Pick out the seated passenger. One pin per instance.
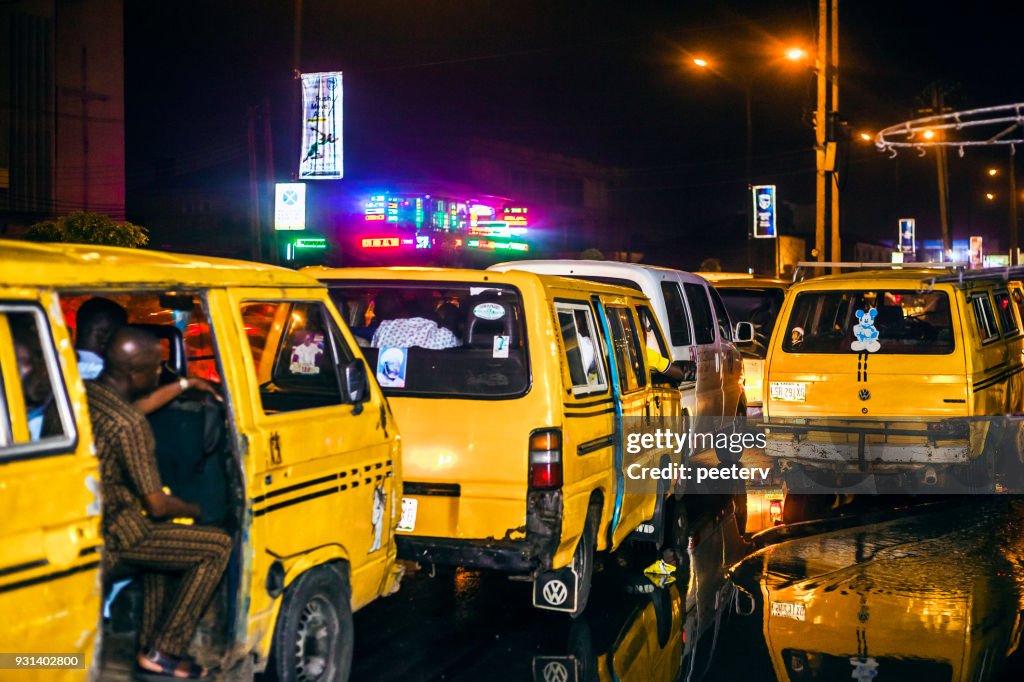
(405, 329)
(43, 420)
(181, 565)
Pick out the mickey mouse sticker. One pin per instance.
(866, 333)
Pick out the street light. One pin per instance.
(793, 54)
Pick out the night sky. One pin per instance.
(607, 81)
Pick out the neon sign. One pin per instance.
(380, 242)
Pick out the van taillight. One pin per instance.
(546, 458)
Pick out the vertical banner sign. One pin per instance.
(290, 206)
(908, 243)
(321, 120)
(764, 211)
(977, 255)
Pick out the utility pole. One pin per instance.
(1013, 206)
(268, 157)
(942, 175)
(254, 191)
(827, 192)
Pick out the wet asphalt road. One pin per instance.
(931, 591)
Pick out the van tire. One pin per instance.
(316, 612)
(677, 535)
(583, 561)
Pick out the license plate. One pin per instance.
(785, 609)
(408, 521)
(792, 391)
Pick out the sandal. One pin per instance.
(171, 668)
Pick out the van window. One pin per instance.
(628, 350)
(984, 318)
(582, 348)
(703, 322)
(760, 307)
(1018, 301)
(907, 322)
(652, 332)
(297, 360)
(439, 339)
(678, 320)
(35, 412)
(724, 324)
(1006, 319)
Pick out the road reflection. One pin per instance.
(928, 593)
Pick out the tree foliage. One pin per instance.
(89, 228)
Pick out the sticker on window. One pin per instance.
(391, 366)
(307, 355)
(500, 347)
(489, 311)
(865, 331)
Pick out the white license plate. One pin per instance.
(408, 521)
(785, 609)
(792, 391)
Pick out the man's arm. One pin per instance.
(154, 401)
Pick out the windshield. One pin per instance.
(443, 339)
(874, 321)
(758, 305)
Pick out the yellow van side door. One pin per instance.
(323, 469)
(49, 536)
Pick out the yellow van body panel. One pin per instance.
(903, 391)
(479, 447)
(312, 476)
(50, 538)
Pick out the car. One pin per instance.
(699, 330)
(896, 376)
(758, 301)
(513, 418)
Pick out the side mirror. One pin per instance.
(688, 368)
(355, 385)
(744, 332)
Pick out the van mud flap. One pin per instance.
(556, 590)
(555, 669)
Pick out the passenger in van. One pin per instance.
(95, 324)
(655, 360)
(405, 328)
(181, 565)
(43, 419)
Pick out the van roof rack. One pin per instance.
(1003, 272)
(803, 268)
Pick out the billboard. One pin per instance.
(290, 206)
(764, 211)
(322, 149)
(977, 253)
(907, 237)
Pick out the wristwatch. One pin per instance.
(183, 384)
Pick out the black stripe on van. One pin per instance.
(596, 444)
(571, 415)
(992, 381)
(434, 489)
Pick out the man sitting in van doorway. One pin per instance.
(134, 505)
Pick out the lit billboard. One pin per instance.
(290, 206)
(764, 211)
(322, 149)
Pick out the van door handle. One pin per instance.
(275, 448)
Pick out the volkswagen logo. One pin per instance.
(864, 394)
(555, 592)
(555, 672)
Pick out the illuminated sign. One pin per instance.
(489, 245)
(764, 211)
(290, 206)
(322, 150)
(380, 242)
(310, 243)
(908, 242)
(374, 217)
(977, 253)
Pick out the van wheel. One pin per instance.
(583, 562)
(313, 639)
(675, 548)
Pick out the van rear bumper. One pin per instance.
(511, 556)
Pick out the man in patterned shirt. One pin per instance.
(407, 330)
(134, 505)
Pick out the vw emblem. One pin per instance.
(864, 394)
(555, 672)
(555, 592)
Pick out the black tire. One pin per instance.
(581, 647)
(797, 507)
(313, 638)
(740, 501)
(725, 455)
(676, 543)
(583, 562)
